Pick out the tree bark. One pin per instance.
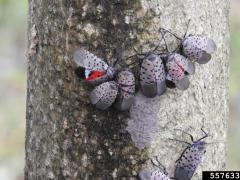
(67, 138)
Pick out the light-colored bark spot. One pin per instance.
(114, 174)
(84, 160)
(33, 41)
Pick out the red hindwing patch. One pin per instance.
(95, 74)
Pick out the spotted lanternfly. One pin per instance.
(95, 69)
(104, 95)
(120, 91)
(126, 82)
(152, 76)
(177, 68)
(191, 157)
(147, 174)
(198, 48)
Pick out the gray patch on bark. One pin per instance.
(143, 121)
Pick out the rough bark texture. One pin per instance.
(67, 138)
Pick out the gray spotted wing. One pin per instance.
(126, 82)
(158, 175)
(104, 95)
(152, 76)
(188, 162)
(147, 174)
(88, 60)
(175, 73)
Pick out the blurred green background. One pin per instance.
(234, 89)
(13, 25)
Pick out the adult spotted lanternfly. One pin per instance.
(191, 157)
(177, 68)
(152, 76)
(126, 83)
(147, 174)
(95, 70)
(197, 48)
(120, 91)
(104, 95)
(152, 73)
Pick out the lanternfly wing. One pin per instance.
(147, 174)
(152, 76)
(104, 95)
(176, 72)
(198, 48)
(98, 80)
(158, 175)
(95, 69)
(183, 84)
(186, 64)
(189, 161)
(88, 60)
(126, 82)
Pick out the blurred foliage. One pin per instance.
(233, 145)
(13, 23)
(235, 54)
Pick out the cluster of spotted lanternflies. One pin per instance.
(158, 71)
(116, 86)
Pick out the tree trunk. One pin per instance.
(67, 138)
